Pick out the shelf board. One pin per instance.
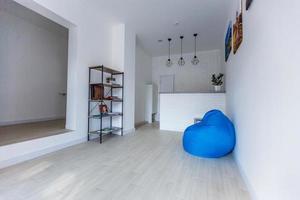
(107, 70)
(106, 115)
(107, 85)
(106, 131)
(101, 100)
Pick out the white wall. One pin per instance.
(33, 66)
(129, 79)
(118, 46)
(124, 58)
(90, 43)
(143, 76)
(263, 98)
(189, 78)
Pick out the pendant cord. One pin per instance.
(195, 35)
(169, 49)
(181, 47)
(195, 45)
(169, 39)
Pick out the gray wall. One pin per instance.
(33, 66)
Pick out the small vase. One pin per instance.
(217, 88)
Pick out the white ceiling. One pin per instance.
(154, 20)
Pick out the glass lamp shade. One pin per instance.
(195, 60)
(169, 63)
(181, 61)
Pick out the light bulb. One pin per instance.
(181, 61)
(169, 63)
(195, 60)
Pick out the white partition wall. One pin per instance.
(178, 110)
(149, 103)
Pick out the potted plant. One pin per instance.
(217, 81)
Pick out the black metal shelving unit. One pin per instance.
(110, 115)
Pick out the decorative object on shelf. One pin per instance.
(217, 81)
(169, 62)
(248, 4)
(109, 98)
(238, 30)
(112, 98)
(195, 59)
(228, 41)
(101, 92)
(97, 92)
(110, 80)
(103, 108)
(181, 61)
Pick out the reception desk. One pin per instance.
(178, 110)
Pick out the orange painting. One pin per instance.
(238, 33)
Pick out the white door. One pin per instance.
(166, 84)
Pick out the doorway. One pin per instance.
(33, 75)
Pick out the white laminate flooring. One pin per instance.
(146, 165)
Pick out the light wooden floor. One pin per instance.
(23, 132)
(147, 165)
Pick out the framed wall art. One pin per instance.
(238, 30)
(228, 41)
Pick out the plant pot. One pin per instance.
(218, 88)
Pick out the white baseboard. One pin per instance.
(246, 179)
(29, 156)
(8, 123)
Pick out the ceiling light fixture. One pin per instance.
(181, 61)
(195, 60)
(169, 62)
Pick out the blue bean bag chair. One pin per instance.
(213, 137)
